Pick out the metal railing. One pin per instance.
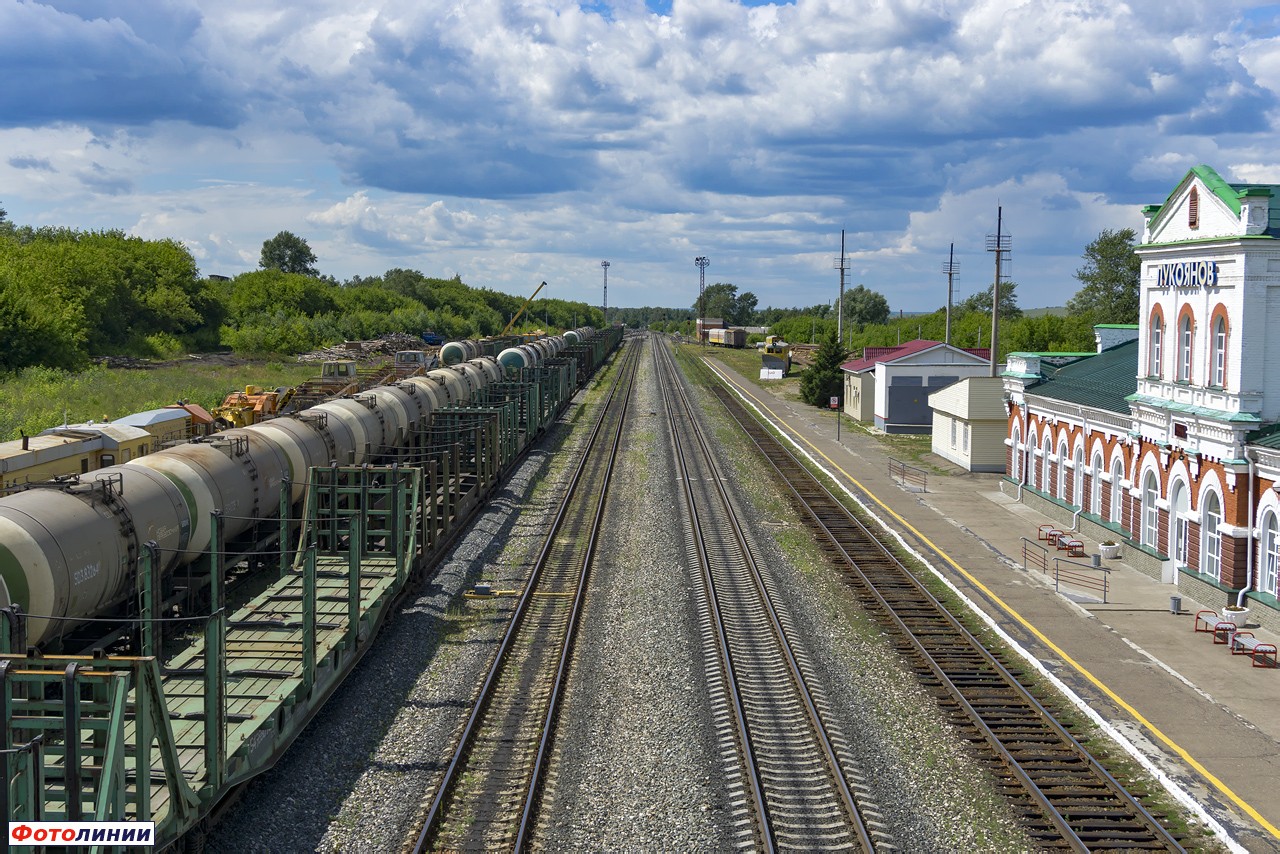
(1034, 554)
(909, 476)
(1069, 572)
(1081, 575)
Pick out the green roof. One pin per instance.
(1115, 326)
(1191, 409)
(1267, 437)
(1103, 380)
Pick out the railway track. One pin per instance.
(489, 793)
(1064, 798)
(795, 776)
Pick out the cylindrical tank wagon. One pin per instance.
(70, 552)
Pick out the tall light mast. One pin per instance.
(702, 261)
(605, 305)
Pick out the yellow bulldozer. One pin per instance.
(775, 356)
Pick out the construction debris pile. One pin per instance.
(375, 350)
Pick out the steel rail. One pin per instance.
(795, 475)
(754, 782)
(434, 814)
(562, 669)
(845, 800)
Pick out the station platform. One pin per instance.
(1203, 720)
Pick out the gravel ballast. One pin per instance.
(637, 765)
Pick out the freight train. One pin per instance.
(348, 503)
(70, 551)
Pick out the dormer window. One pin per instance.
(1193, 209)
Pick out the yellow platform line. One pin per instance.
(1079, 668)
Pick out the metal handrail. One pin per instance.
(909, 475)
(1077, 578)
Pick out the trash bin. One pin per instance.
(1175, 604)
(1096, 560)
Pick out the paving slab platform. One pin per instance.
(1205, 720)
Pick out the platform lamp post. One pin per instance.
(702, 261)
(604, 265)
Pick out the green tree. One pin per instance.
(823, 379)
(981, 301)
(288, 253)
(1110, 278)
(722, 300)
(863, 305)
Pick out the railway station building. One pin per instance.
(1169, 443)
(890, 386)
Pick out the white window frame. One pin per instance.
(1180, 536)
(1045, 471)
(1211, 536)
(1184, 349)
(1219, 353)
(1095, 485)
(1117, 492)
(1154, 367)
(1269, 577)
(1150, 535)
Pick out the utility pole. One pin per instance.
(1001, 244)
(951, 269)
(605, 266)
(702, 261)
(842, 264)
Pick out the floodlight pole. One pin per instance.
(605, 266)
(702, 261)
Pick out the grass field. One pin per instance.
(39, 398)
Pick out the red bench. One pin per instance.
(1073, 548)
(1244, 643)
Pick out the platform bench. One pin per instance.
(1207, 619)
(1073, 548)
(1244, 643)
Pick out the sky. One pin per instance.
(516, 142)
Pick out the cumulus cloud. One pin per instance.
(472, 136)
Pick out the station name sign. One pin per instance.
(1187, 274)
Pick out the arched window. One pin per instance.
(1218, 360)
(1117, 492)
(1077, 481)
(1211, 561)
(1046, 479)
(1270, 563)
(1062, 470)
(1193, 208)
(1155, 344)
(1095, 496)
(1180, 528)
(1015, 455)
(1150, 513)
(1184, 349)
